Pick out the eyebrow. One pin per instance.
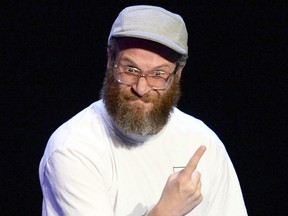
(127, 60)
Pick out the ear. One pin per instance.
(179, 73)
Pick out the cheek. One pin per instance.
(124, 89)
(123, 86)
(161, 93)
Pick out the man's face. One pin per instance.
(138, 108)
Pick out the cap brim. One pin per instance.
(152, 37)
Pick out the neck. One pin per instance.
(127, 140)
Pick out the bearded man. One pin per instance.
(133, 152)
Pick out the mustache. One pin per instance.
(132, 95)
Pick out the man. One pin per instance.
(133, 152)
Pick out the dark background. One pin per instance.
(53, 57)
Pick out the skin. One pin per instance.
(145, 60)
(139, 109)
(182, 192)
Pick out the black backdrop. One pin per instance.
(53, 56)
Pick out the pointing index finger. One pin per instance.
(193, 162)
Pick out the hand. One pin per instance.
(182, 192)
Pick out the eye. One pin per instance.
(129, 69)
(160, 73)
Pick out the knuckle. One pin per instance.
(172, 177)
(198, 193)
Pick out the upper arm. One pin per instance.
(224, 195)
(73, 185)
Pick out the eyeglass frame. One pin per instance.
(142, 74)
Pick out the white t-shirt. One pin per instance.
(87, 169)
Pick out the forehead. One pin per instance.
(159, 49)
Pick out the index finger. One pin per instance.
(193, 162)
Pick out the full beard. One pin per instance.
(131, 119)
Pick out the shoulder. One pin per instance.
(188, 123)
(195, 132)
(81, 135)
(83, 125)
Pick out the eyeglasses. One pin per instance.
(157, 79)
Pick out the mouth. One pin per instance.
(139, 106)
(144, 99)
(137, 103)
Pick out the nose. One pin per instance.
(141, 87)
